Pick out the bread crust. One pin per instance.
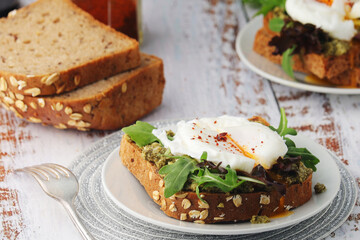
(79, 75)
(132, 95)
(220, 207)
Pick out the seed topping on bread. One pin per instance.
(100, 105)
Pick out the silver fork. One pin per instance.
(60, 183)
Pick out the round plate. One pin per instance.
(274, 72)
(131, 196)
(106, 220)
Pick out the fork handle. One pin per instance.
(76, 220)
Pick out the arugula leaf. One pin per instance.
(283, 130)
(208, 179)
(248, 179)
(141, 133)
(268, 5)
(276, 24)
(203, 156)
(307, 157)
(176, 174)
(287, 62)
(289, 142)
(253, 3)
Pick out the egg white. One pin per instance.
(244, 145)
(332, 19)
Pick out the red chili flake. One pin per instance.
(200, 131)
(217, 144)
(192, 138)
(199, 137)
(262, 141)
(215, 122)
(193, 128)
(253, 150)
(221, 137)
(207, 141)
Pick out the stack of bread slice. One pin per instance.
(341, 70)
(61, 67)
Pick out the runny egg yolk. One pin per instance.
(242, 149)
(327, 2)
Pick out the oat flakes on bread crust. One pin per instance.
(220, 207)
(52, 46)
(106, 104)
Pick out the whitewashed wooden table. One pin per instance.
(205, 77)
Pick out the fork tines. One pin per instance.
(47, 170)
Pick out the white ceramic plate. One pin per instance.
(125, 190)
(274, 72)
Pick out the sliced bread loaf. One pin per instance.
(106, 104)
(52, 46)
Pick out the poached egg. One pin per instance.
(232, 141)
(333, 16)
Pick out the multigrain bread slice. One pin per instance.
(219, 207)
(52, 46)
(106, 104)
(340, 70)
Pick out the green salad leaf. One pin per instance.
(141, 133)
(276, 24)
(307, 157)
(253, 3)
(176, 174)
(203, 156)
(266, 5)
(207, 179)
(283, 130)
(287, 61)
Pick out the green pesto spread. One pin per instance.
(302, 173)
(279, 13)
(170, 134)
(156, 153)
(319, 188)
(255, 219)
(298, 174)
(336, 47)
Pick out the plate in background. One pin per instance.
(274, 72)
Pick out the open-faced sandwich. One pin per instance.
(221, 169)
(317, 37)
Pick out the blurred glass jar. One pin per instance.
(123, 15)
